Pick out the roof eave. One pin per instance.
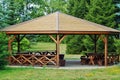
(60, 32)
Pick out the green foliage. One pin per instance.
(117, 45)
(88, 43)
(24, 45)
(53, 6)
(95, 11)
(3, 50)
(16, 11)
(98, 11)
(105, 15)
(102, 12)
(77, 8)
(10, 14)
(75, 45)
(39, 38)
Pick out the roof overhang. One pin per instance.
(59, 23)
(60, 32)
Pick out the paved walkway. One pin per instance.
(70, 64)
(75, 64)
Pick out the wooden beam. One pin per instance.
(62, 38)
(53, 38)
(102, 38)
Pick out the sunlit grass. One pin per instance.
(59, 74)
(42, 46)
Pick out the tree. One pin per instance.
(9, 13)
(53, 6)
(75, 45)
(102, 12)
(117, 3)
(2, 15)
(77, 8)
(3, 50)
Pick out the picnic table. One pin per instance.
(92, 59)
(98, 58)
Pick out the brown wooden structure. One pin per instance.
(56, 24)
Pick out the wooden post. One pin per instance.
(58, 40)
(58, 49)
(95, 43)
(105, 40)
(10, 46)
(18, 40)
(11, 39)
(106, 49)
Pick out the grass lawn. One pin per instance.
(60, 74)
(31, 73)
(41, 46)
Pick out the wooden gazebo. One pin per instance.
(58, 24)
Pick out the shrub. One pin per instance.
(3, 50)
(75, 45)
(117, 45)
(24, 44)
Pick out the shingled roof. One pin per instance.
(58, 23)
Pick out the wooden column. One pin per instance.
(18, 41)
(106, 49)
(105, 40)
(57, 41)
(58, 48)
(11, 39)
(95, 43)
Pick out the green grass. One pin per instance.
(59, 74)
(41, 46)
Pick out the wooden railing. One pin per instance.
(34, 58)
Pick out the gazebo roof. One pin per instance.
(58, 23)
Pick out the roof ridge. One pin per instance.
(57, 21)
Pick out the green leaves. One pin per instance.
(77, 8)
(102, 12)
(3, 50)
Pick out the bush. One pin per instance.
(75, 44)
(3, 50)
(117, 45)
(24, 44)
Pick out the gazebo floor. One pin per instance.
(70, 64)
